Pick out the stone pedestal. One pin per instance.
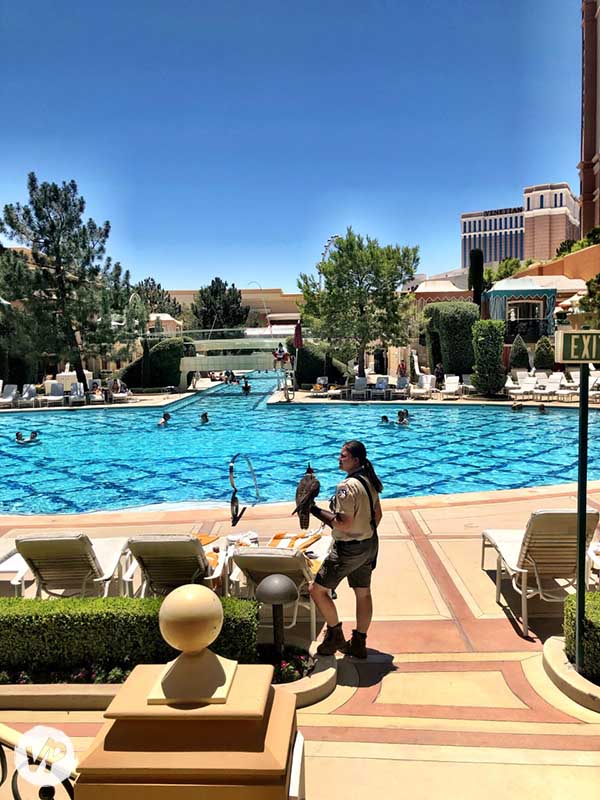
(243, 748)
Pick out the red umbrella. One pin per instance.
(298, 343)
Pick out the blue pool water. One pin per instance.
(104, 458)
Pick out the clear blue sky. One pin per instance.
(233, 138)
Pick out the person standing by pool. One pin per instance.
(355, 512)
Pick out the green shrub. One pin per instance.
(163, 365)
(519, 357)
(315, 361)
(110, 633)
(488, 340)
(543, 358)
(591, 634)
(449, 333)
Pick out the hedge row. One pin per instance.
(591, 634)
(449, 335)
(314, 362)
(38, 635)
(163, 368)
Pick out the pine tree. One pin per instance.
(519, 356)
(543, 358)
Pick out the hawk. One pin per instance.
(308, 489)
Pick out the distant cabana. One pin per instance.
(524, 305)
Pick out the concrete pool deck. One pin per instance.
(452, 701)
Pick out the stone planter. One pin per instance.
(563, 674)
(315, 687)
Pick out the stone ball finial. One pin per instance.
(191, 618)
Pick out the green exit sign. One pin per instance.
(577, 347)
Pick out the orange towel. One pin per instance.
(312, 540)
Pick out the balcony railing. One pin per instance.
(530, 330)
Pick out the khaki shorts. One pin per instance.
(352, 560)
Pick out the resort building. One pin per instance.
(498, 233)
(589, 166)
(548, 216)
(265, 303)
(164, 323)
(551, 214)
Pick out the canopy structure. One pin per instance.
(520, 289)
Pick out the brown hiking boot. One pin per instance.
(356, 646)
(333, 641)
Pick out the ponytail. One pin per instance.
(358, 450)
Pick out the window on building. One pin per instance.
(541, 201)
(478, 224)
(485, 224)
(521, 221)
(464, 227)
(561, 199)
(529, 204)
(555, 200)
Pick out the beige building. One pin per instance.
(273, 303)
(551, 215)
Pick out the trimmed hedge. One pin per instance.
(163, 367)
(591, 634)
(108, 632)
(315, 362)
(488, 340)
(519, 355)
(543, 358)
(449, 334)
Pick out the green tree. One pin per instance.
(591, 302)
(219, 306)
(519, 355)
(488, 340)
(475, 277)
(359, 303)
(543, 357)
(156, 299)
(564, 248)
(63, 286)
(507, 267)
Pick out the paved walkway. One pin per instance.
(452, 701)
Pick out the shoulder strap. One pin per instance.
(365, 486)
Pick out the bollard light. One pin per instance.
(277, 591)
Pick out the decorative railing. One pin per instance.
(18, 785)
(530, 330)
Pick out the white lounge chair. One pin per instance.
(257, 563)
(360, 389)
(550, 387)
(451, 388)
(122, 396)
(76, 395)
(467, 385)
(56, 396)
(381, 388)
(9, 393)
(546, 548)
(28, 395)
(323, 382)
(69, 563)
(168, 561)
(525, 389)
(401, 390)
(424, 389)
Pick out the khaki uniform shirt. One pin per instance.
(351, 498)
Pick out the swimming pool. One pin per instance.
(107, 458)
